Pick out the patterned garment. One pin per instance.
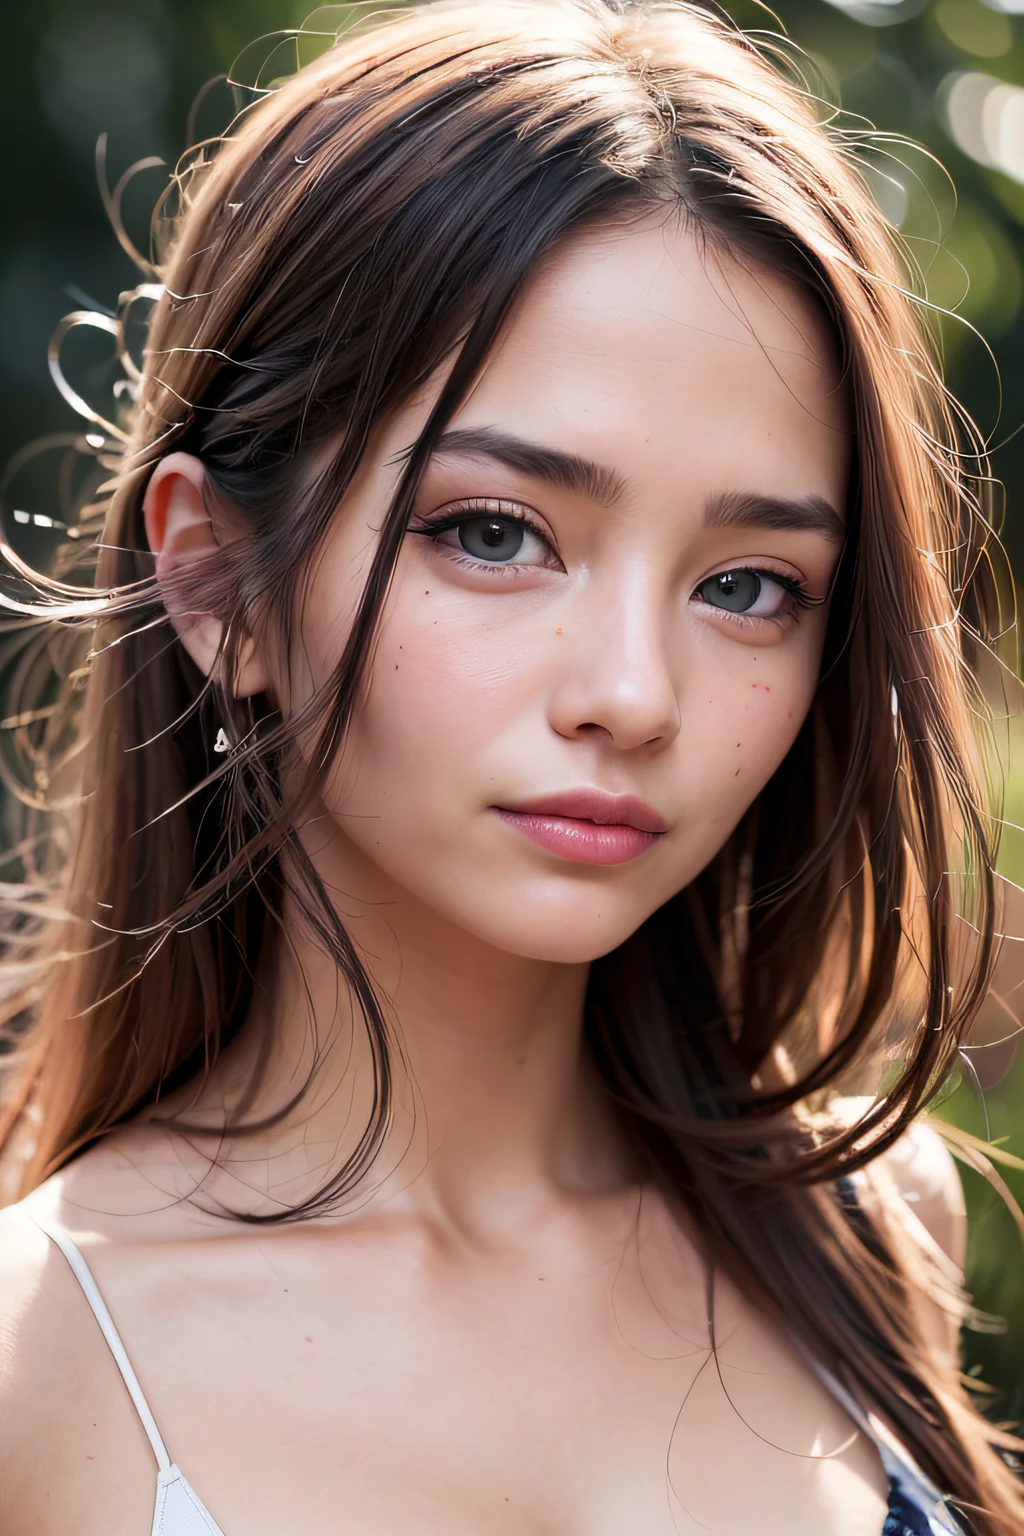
(916, 1508)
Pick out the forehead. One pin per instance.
(644, 351)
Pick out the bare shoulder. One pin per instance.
(29, 1292)
(924, 1174)
(40, 1359)
(920, 1174)
(914, 1190)
(62, 1404)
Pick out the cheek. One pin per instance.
(445, 690)
(747, 724)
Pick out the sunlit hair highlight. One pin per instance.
(369, 222)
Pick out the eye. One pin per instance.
(479, 536)
(755, 594)
(491, 538)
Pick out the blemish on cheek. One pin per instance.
(764, 686)
(559, 631)
(736, 774)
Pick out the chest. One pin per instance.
(387, 1394)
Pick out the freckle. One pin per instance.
(559, 631)
(736, 774)
(308, 1339)
(427, 592)
(90, 1458)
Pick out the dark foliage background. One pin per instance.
(948, 74)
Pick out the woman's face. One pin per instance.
(607, 620)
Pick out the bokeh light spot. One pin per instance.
(975, 29)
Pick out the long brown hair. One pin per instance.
(372, 218)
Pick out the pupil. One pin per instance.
(735, 590)
(493, 534)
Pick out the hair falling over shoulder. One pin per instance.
(363, 222)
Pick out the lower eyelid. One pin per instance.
(747, 619)
(503, 568)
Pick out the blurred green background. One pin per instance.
(948, 74)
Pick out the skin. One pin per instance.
(502, 1332)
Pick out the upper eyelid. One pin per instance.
(453, 512)
(481, 506)
(798, 586)
(761, 566)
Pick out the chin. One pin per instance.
(570, 937)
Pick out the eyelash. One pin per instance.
(486, 506)
(459, 512)
(797, 590)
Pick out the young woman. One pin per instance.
(524, 864)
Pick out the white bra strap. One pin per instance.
(90, 1290)
(896, 1459)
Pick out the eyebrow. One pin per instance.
(748, 509)
(568, 471)
(596, 482)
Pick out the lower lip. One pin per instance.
(583, 842)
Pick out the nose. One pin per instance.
(615, 676)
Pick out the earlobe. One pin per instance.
(180, 533)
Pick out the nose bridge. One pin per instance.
(619, 676)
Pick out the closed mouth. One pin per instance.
(588, 826)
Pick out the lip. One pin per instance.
(588, 825)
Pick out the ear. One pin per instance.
(180, 534)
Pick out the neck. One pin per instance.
(494, 1108)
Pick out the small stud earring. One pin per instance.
(222, 744)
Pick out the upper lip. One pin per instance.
(596, 805)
